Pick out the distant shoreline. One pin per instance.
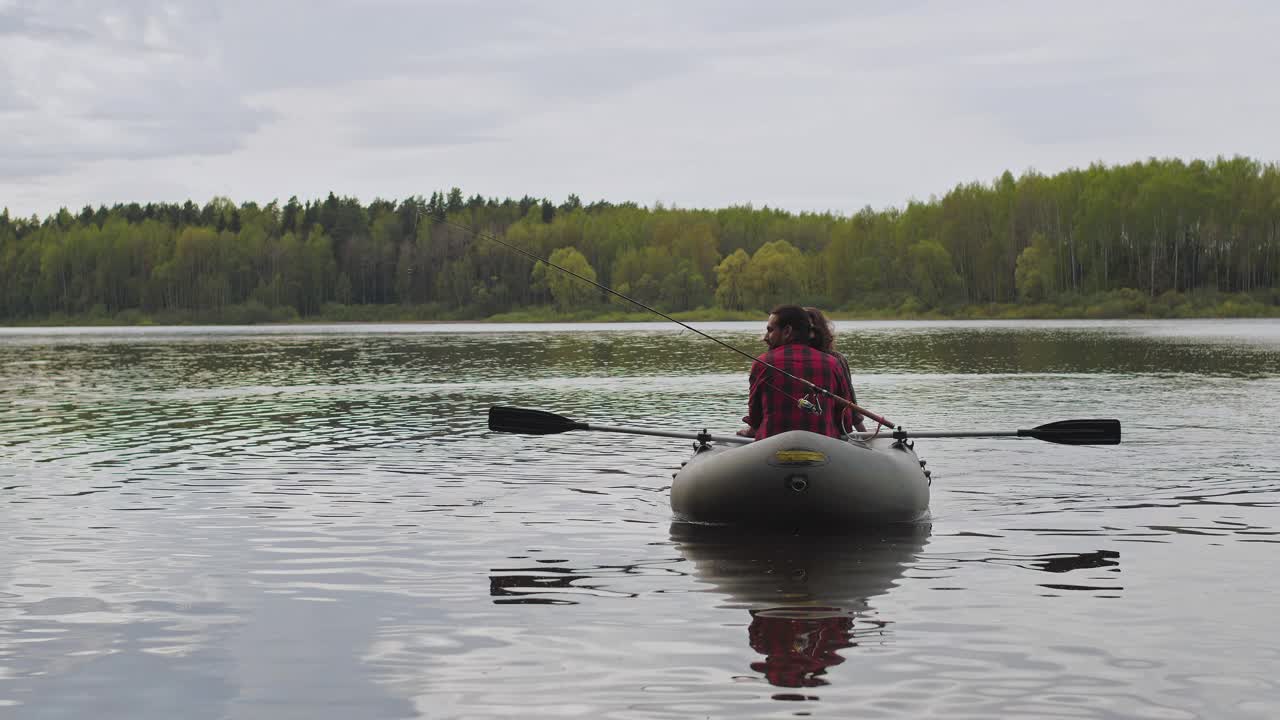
(1119, 305)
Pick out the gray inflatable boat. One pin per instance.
(802, 479)
(796, 479)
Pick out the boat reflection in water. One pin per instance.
(807, 595)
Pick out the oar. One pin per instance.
(541, 422)
(1063, 432)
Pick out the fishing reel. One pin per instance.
(810, 404)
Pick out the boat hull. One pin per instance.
(802, 479)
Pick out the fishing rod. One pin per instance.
(537, 258)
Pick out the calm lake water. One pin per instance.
(314, 522)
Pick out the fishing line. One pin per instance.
(611, 291)
(537, 258)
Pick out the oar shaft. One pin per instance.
(737, 439)
(1063, 432)
(942, 434)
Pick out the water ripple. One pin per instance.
(316, 521)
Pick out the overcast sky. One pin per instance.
(800, 105)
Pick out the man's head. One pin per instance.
(787, 324)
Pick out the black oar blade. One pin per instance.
(1077, 432)
(529, 422)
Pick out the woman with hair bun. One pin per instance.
(823, 337)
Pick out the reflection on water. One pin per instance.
(808, 596)
(552, 585)
(768, 571)
(798, 646)
(315, 522)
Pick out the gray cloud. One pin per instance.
(1059, 103)
(591, 73)
(303, 44)
(11, 101)
(424, 129)
(114, 81)
(736, 16)
(412, 114)
(751, 101)
(23, 19)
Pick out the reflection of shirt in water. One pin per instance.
(798, 651)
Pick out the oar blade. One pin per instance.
(529, 422)
(1077, 432)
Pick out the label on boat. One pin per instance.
(799, 457)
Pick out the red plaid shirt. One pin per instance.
(772, 406)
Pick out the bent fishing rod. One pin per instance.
(539, 259)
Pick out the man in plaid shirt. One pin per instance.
(776, 402)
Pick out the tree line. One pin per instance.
(1150, 229)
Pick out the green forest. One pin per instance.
(1160, 238)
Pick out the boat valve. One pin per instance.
(797, 483)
